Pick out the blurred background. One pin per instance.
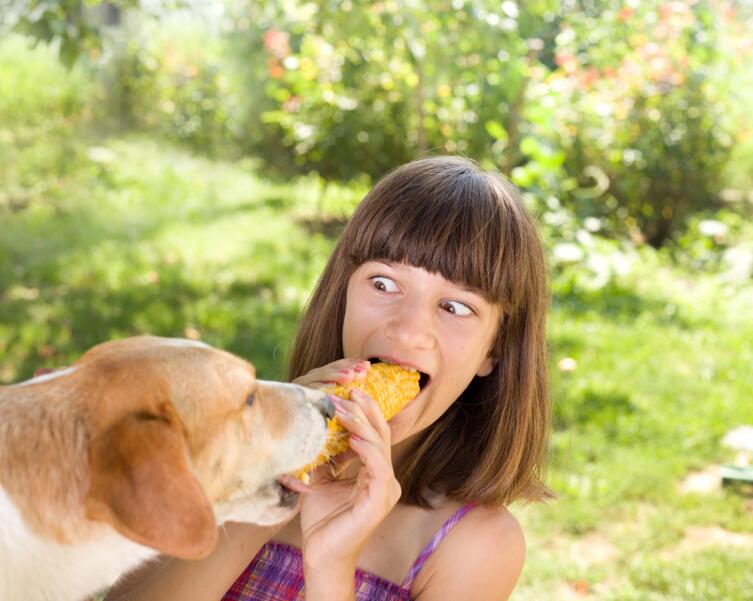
(183, 168)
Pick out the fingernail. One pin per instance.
(356, 437)
(359, 368)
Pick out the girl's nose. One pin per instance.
(411, 327)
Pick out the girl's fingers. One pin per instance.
(346, 370)
(372, 412)
(342, 366)
(341, 371)
(372, 456)
(353, 419)
(348, 363)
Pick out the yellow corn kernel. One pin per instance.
(391, 386)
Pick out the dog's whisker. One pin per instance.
(224, 531)
(247, 495)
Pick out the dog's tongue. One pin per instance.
(293, 483)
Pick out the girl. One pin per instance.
(440, 268)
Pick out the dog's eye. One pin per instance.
(250, 399)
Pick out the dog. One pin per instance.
(143, 446)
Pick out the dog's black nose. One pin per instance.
(327, 407)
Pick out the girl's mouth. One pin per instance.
(423, 379)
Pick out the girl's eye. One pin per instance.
(457, 308)
(383, 283)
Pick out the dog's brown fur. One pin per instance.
(142, 436)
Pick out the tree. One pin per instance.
(75, 25)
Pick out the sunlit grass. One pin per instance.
(155, 240)
(652, 395)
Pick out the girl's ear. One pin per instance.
(487, 365)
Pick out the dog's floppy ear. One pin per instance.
(142, 485)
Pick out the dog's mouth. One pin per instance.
(423, 379)
(290, 490)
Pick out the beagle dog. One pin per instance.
(143, 446)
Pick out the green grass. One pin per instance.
(154, 240)
(663, 372)
(142, 237)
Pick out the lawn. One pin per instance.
(138, 237)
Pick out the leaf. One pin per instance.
(496, 130)
(529, 146)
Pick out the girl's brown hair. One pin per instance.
(445, 215)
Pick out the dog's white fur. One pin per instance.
(37, 568)
(46, 377)
(62, 538)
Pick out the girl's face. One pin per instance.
(407, 315)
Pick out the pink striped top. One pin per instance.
(276, 573)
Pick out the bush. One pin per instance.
(366, 87)
(623, 113)
(169, 78)
(641, 113)
(42, 108)
(626, 114)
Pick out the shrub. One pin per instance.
(169, 78)
(642, 114)
(42, 107)
(362, 88)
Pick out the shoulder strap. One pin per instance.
(434, 543)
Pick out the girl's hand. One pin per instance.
(339, 515)
(341, 371)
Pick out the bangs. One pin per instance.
(463, 226)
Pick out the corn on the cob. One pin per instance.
(391, 386)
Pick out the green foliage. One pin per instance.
(717, 242)
(642, 112)
(36, 88)
(625, 113)
(631, 114)
(168, 77)
(72, 24)
(41, 107)
(152, 240)
(361, 88)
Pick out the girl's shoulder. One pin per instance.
(480, 557)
